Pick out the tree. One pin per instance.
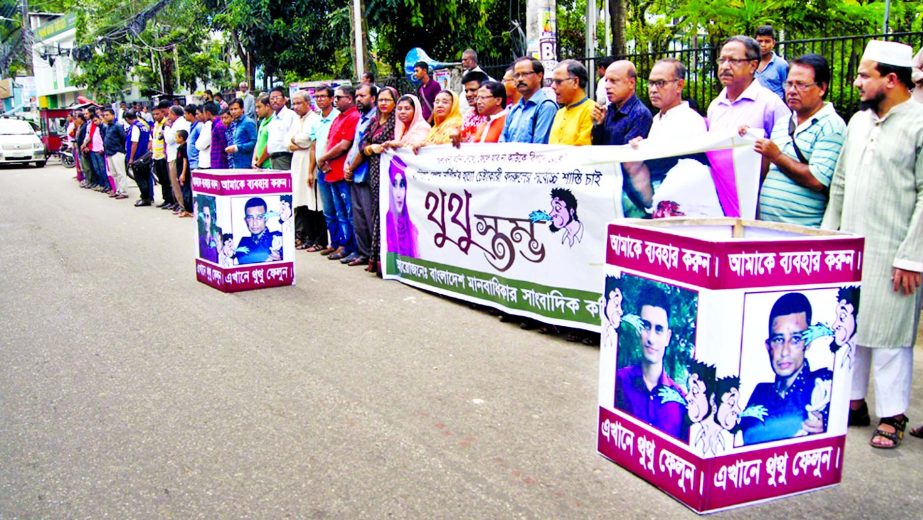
(174, 48)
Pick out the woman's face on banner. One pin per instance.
(405, 112)
(399, 188)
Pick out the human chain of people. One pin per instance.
(815, 170)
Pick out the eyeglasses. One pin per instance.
(321, 96)
(800, 87)
(660, 83)
(251, 218)
(733, 61)
(559, 81)
(520, 75)
(796, 340)
(339, 97)
(485, 98)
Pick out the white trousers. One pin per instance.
(117, 169)
(892, 369)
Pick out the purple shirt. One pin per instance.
(757, 107)
(633, 398)
(219, 143)
(427, 94)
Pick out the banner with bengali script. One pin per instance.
(523, 228)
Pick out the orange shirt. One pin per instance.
(490, 131)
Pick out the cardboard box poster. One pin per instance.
(244, 229)
(726, 357)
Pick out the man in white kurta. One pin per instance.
(877, 191)
(304, 196)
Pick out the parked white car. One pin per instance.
(20, 144)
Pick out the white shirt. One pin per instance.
(679, 122)
(169, 136)
(204, 145)
(601, 96)
(278, 130)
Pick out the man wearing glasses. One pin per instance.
(262, 245)
(795, 402)
(573, 122)
(529, 120)
(798, 161)
(743, 101)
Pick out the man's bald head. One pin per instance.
(621, 78)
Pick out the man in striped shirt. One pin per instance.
(799, 159)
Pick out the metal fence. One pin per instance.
(699, 56)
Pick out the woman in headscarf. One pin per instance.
(381, 131)
(447, 120)
(410, 128)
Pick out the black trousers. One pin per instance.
(310, 226)
(163, 177)
(142, 175)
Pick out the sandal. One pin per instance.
(860, 417)
(917, 431)
(898, 424)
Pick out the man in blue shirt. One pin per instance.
(262, 245)
(240, 149)
(530, 119)
(623, 119)
(797, 403)
(772, 70)
(195, 129)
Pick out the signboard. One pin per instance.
(522, 227)
(726, 357)
(245, 229)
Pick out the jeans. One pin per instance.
(98, 162)
(342, 202)
(330, 213)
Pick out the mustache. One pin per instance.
(521, 84)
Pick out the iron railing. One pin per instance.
(699, 55)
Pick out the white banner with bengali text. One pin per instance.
(522, 228)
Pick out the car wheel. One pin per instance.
(40, 164)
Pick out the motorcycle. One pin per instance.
(65, 155)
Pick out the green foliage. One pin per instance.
(443, 29)
(178, 34)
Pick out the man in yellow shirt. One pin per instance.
(573, 122)
(159, 155)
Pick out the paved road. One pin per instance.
(129, 390)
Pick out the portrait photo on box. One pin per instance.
(258, 224)
(790, 342)
(655, 324)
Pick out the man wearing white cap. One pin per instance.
(877, 192)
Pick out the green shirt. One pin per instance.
(262, 137)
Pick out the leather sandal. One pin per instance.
(898, 424)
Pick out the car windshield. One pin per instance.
(15, 127)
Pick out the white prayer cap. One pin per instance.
(889, 53)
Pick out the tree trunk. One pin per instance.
(617, 19)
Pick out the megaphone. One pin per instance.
(416, 55)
